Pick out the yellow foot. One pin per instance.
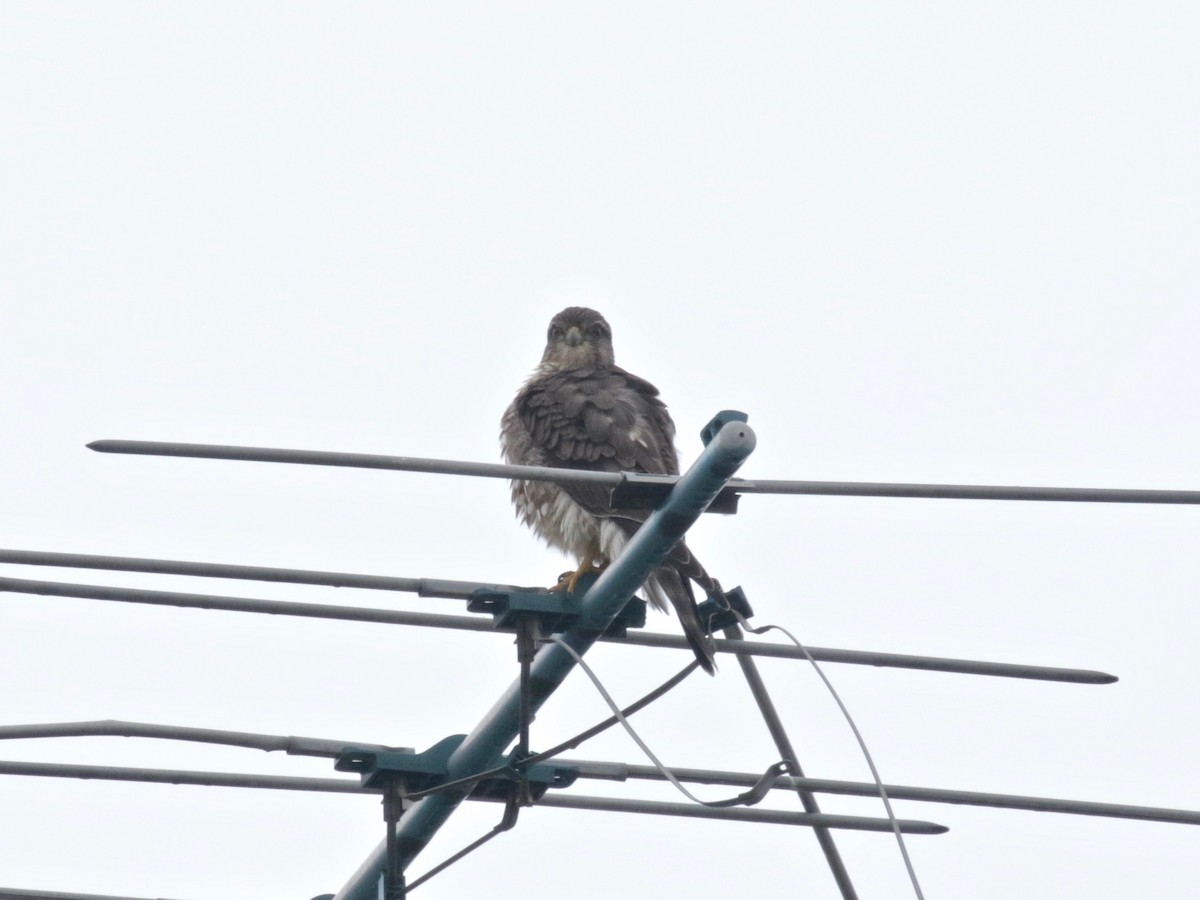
(567, 581)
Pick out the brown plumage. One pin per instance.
(579, 410)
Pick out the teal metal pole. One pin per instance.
(484, 747)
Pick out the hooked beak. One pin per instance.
(574, 336)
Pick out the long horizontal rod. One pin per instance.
(290, 744)
(358, 461)
(764, 816)
(880, 659)
(554, 801)
(185, 776)
(607, 771)
(422, 587)
(622, 772)
(19, 894)
(650, 485)
(469, 623)
(242, 604)
(967, 492)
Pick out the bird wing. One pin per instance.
(605, 420)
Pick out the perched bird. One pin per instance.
(579, 410)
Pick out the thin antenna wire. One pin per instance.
(612, 704)
(569, 743)
(572, 743)
(912, 875)
(506, 823)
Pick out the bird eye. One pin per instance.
(596, 330)
(555, 333)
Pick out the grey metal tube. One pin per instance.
(784, 745)
(966, 492)
(876, 658)
(356, 461)
(649, 483)
(608, 771)
(645, 550)
(423, 587)
(765, 816)
(472, 623)
(553, 801)
(18, 894)
(242, 604)
(185, 776)
(290, 744)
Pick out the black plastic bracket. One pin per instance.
(553, 611)
(417, 772)
(719, 421)
(716, 614)
(641, 491)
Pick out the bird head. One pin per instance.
(578, 338)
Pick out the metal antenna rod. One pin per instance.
(290, 744)
(476, 623)
(608, 771)
(553, 801)
(422, 587)
(18, 894)
(967, 492)
(624, 771)
(741, 814)
(651, 488)
(462, 590)
(483, 747)
(356, 461)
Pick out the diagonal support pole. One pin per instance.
(484, 746)
(783, 744)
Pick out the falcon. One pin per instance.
(579, 410)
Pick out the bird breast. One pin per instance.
(564, 524)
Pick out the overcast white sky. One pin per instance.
(936, 242)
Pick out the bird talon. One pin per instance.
(568, 581)
(564, 585)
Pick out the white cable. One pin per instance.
(912, 875)
(667, 773)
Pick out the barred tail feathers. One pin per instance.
(678, 590)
